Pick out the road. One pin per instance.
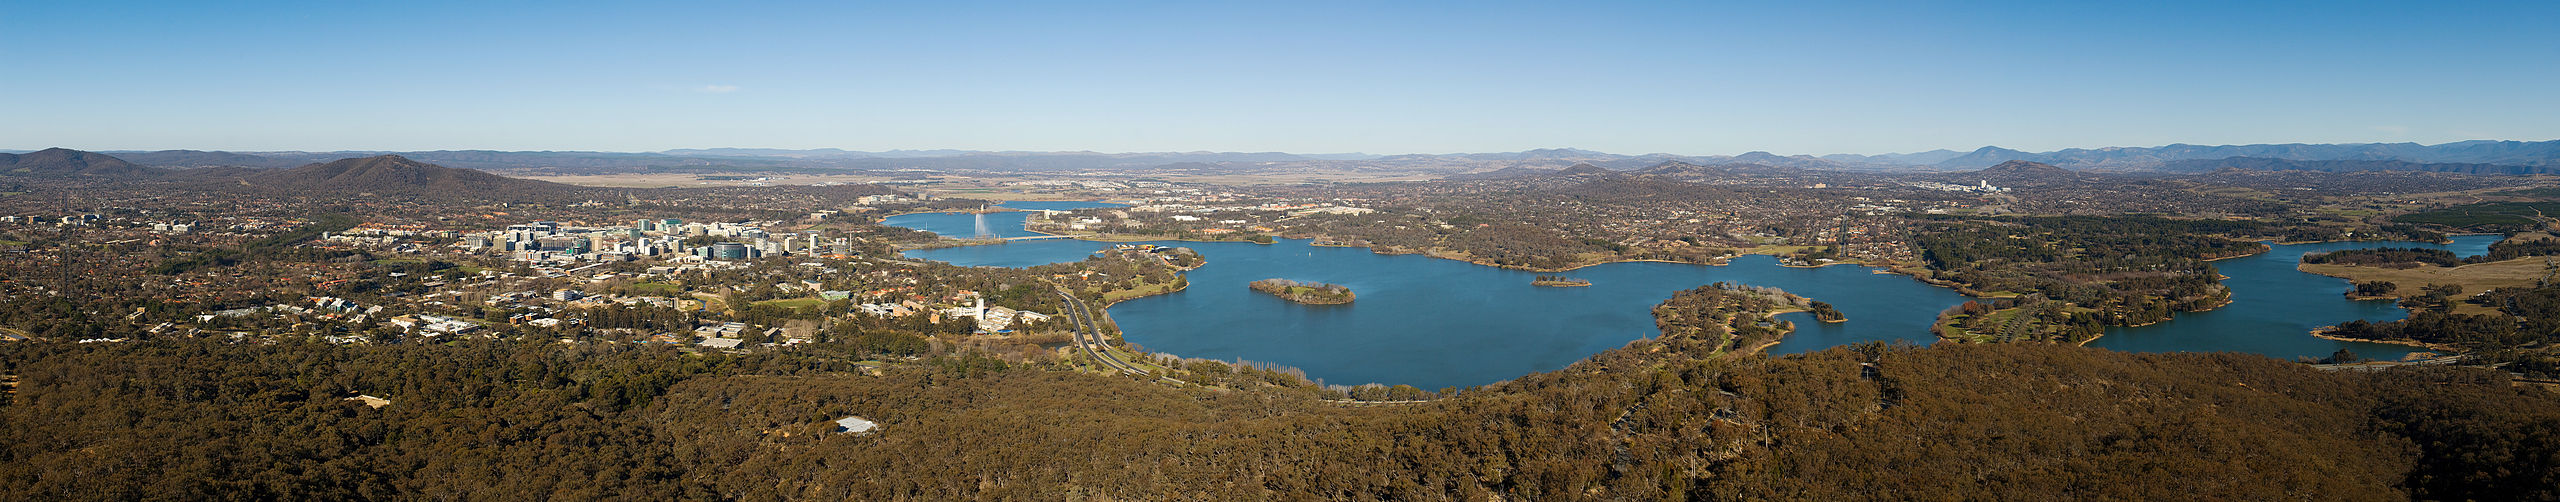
(2382, 365)
(1356, 402)
(1088, 335)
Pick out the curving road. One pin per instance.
(1088, 335)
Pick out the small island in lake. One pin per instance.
(1558, 281)
(1314, 293)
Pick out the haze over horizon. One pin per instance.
(1628, 78)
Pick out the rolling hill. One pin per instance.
(397, 175)
(1685, 171)
(67, 163)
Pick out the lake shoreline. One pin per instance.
(1106, 307)
(1418, 322)
(2323, 333)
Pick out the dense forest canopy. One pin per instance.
(2128, 270)
(1656, 420)
(2524, 317)
(2503, 250)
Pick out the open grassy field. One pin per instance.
(1150, 289)
(657, 289)
(2000, 325)
(711, 301)
(2474, 278)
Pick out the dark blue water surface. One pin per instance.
(1435, 323)
(2274, 308)
(1004, 224)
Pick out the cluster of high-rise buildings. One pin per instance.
(77, 219)
(544, 241)
(1984, 186)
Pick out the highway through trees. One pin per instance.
(1088, 335)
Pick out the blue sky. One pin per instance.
(1310, 77)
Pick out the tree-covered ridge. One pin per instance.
(203, 419)
(2525, 318)
(2386, 257)
(2503, 250)
(2519, 247)
(1657, 420)
(2486, 216)
(2127, 270)
(1722, 317)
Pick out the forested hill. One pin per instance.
(396, 175)
(205, 419)
(64, 162)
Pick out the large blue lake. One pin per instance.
(1435, 323)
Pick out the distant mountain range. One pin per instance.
(1671, 170)
(2510, 153)
(2477, 157)
(2016, 173)
(2023, 169)
(2261, 164)
(195, 158)
(1931, 157)
(2474, 157)
(1683, 170)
